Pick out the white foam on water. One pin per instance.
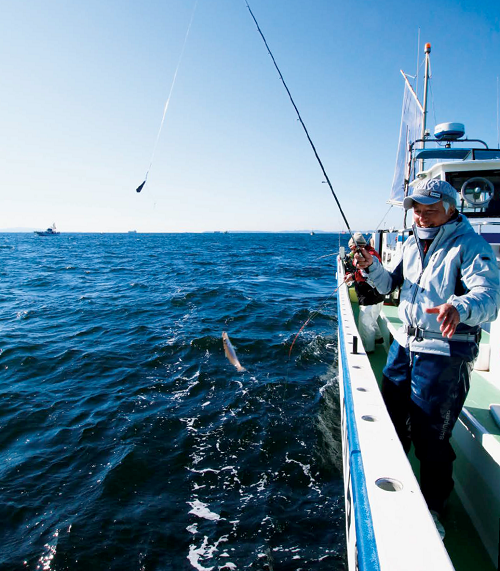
(205, 551)
(261, 484)
(203, 471)
(196, 458)
(196, 553)
(193, 381)
(189, 423)
(306, 468)
(201, 510)
(234, 473)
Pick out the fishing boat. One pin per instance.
(388, 524)
(52, 231)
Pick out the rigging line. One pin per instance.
(383, 218)
(300, 119)
(418, 54)
(141, 186)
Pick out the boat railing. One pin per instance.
(365, 544)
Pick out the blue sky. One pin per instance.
(84, 85)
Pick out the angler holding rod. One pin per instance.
(449, 286)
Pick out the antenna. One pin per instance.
(427, 50)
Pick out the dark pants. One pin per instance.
(424, 394)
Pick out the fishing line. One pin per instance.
(313, 315)
(384, 217)
(329, 255)
(300, 119)
(141, 186)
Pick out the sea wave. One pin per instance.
(129, 441)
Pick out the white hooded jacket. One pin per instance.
(459, 268)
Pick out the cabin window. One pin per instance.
(481, 189)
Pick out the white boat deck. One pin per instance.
(483, 392)
(476, 440)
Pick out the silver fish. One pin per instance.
(231, 353)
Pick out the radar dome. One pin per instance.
(449, 131)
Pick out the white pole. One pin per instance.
(426, 85)
(427, 50)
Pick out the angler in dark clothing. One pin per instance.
(370, 300)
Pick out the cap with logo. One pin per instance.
(430, 192)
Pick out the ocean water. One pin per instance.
(128, 441)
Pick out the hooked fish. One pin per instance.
(231, 353)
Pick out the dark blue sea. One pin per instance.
(128, 441)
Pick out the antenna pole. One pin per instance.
(426, 85)
(427, 50)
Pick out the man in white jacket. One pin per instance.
(449, 285)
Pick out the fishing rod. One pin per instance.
(327, 179)
(142, 185)
(302, 123)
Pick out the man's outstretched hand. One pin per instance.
(448, 316)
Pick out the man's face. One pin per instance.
(356, 246)
(430, 215)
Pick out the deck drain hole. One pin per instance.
(369, 418)
(389, 484)
(362, 390)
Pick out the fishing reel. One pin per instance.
(477, 191)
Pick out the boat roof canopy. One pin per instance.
(449, 153)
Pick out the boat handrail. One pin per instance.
(484, 222)
(447, 142)
(368, 558)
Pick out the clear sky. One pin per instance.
(84, 85)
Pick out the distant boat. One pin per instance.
(132, 231)
(312, 233)
(52, 231)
